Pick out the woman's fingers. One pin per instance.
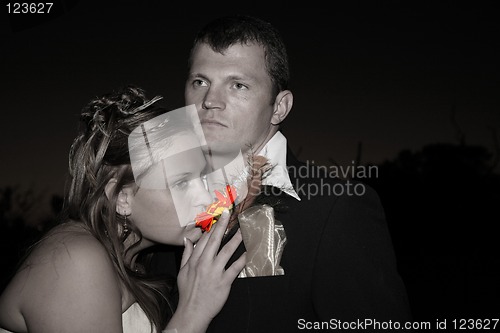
(232, 272)
(188, 250)
(210, 241)
(227, 251)
(216, 235)
(203, 276)
(205, 251)
(225, 254)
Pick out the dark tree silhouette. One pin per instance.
(21, 225)
(441, 206)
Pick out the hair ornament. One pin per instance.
(145, 105)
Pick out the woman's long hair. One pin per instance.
(98, 154)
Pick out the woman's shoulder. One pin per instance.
(69, 246)
(67, 264)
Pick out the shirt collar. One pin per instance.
(275, 152)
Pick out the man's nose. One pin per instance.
(213, 99)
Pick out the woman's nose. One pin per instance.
(202, 196)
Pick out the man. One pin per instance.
(338, 261)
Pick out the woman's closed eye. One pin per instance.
(181, 184)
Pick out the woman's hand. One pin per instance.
(203, 281)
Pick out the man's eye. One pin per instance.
(199, 83)
(240, 86)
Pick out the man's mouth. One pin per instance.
(212, 123)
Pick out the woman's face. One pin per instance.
(171, 194)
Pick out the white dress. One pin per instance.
(134, 320)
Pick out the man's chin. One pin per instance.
(220, 148)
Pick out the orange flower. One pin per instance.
(210, 216)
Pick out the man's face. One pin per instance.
(232, 93)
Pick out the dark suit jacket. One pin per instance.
(339, 263)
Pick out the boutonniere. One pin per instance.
(258, 168)
(263, 236)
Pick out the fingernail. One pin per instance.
(185, 241)
(225, 213)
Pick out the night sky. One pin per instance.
(386, 75)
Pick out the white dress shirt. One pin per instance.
(275, 152)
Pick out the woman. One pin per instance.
(86, 274)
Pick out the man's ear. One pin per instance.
(124, 199)
(282, 106)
